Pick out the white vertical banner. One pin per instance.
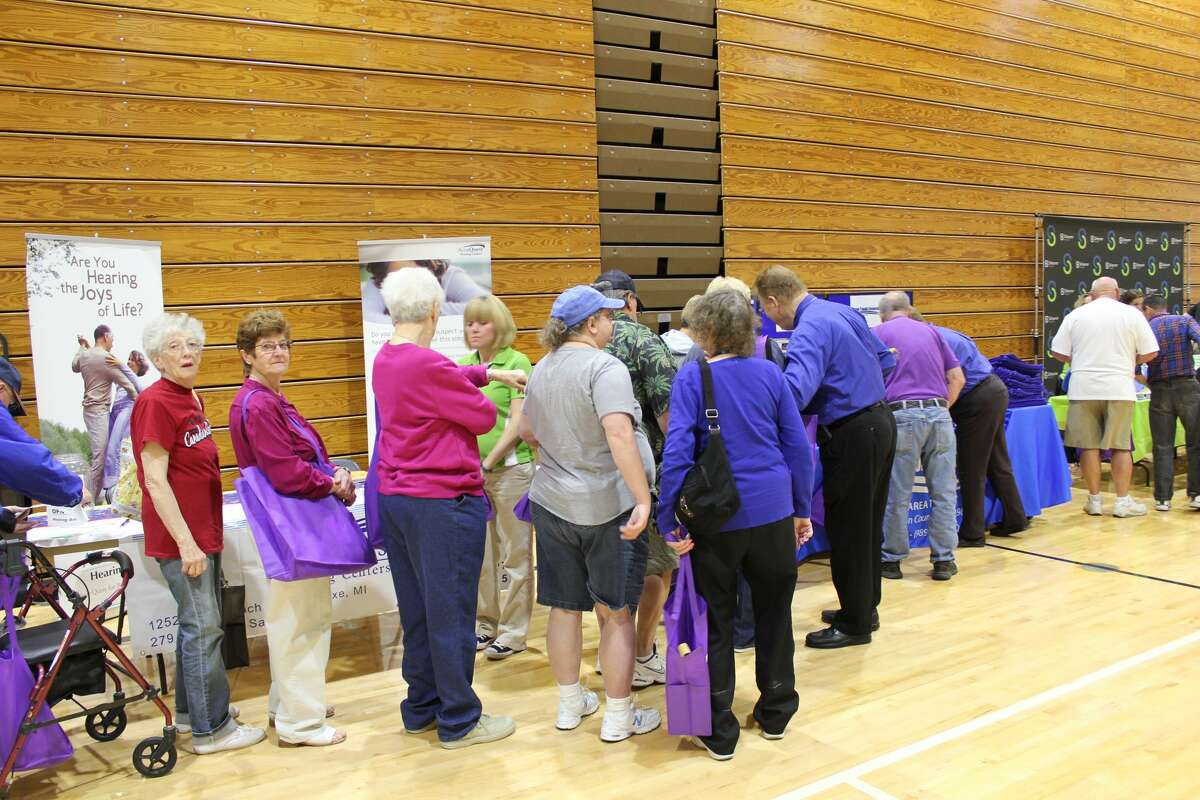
(462, 265)
(79, 287)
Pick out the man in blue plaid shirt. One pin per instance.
(1174, 394)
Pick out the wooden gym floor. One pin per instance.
(1027, 676)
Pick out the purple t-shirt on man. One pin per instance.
(922, 360)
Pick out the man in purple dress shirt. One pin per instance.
(835, 368)
(1174, 395)
(920, 391)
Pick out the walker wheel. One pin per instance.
(105, 726)
(154, 757)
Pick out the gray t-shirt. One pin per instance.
(569, 392)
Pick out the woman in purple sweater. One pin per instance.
(772, 463)
(432, 509)
(290, 454)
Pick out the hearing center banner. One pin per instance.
(463, 267)
(89, 300)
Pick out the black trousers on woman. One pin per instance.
(766, 555)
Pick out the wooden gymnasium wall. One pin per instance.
(260, 141)
(880, 144)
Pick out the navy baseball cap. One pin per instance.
(617, 280)
(580, 302)
(10, 376)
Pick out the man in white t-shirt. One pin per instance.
(1104, 341)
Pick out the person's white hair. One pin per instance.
(411, 293)
(164, 326)
(724, 284)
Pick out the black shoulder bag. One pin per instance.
(709, 496)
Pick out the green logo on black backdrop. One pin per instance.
(1176, 266)
(1081, 289)
(1067, 264)
(1110, 241)
(1151, 266)
(1051, 292)
(1164, 242)
(1165, 288)
(1097, 266)
(1051, 236)
(1139, 241)
(1081, 239)
(1125, 266)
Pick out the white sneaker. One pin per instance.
(572, 712)
(1195, 502)
(618, 726)
(242, 736)
(651, 670)
(1162, 505)
(1128, 507)
(1093, 507)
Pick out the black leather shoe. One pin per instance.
(831, 639)
(891, 569)
(1004, 530)
(944, 570)
(829, 616)
(971, 543)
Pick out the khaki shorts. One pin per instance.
(1100, 424)
(661, 558)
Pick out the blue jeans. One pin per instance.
(925, 436)
(435, 547)
(201, 685)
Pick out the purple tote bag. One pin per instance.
(689, 709)
(44, 747)
(299, 538)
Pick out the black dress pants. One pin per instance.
(856, 461)
(766, 556)
(982, 456)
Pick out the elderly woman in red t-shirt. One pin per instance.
(181, 517)
(290, 454)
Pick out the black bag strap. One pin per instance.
(710, 403)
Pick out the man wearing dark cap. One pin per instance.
(652, 369)
(26, 465)
(835, 368)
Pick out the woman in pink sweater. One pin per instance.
(432, 509)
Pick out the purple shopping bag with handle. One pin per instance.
(299, 538)
(689, 709)
(522, 510)
(44, 747)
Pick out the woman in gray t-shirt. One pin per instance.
(591, 501)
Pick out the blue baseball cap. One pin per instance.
(580, 302)
(10, 376)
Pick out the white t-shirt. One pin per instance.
(1104, 339)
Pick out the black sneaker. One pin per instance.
(891, 569)
(944, 570)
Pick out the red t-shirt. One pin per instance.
(172, 417)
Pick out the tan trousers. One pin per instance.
(506, 581)
(299, 615)
(96, 422)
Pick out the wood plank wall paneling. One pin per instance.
(879, 144)
(260, 141)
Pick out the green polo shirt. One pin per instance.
(503, 396)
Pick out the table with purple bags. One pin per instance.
(152, 621)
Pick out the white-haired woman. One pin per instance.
(432, 509)
(180, 477)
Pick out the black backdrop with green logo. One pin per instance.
(1140, 255)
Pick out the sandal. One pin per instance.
(326, 737)
(329, 711)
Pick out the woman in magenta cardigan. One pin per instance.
(432, 509)
(290, 454)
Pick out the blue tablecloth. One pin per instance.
(1039, 466)
(1039, 463)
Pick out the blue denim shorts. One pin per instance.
(580, 566)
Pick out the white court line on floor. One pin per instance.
(990, 718)
(869, 790)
